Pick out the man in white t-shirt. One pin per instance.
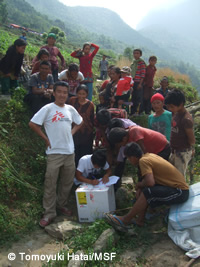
(90, 168)
(57, 119)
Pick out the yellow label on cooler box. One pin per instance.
(82, 198)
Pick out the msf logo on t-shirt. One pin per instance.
(57, 117)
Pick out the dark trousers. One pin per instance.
(103, 75)
(119, 170)
(147, 106)
(164, 195)
(137, 97)
(7, 84)
(36, 102)
(55, 75)
(165, 153)
(82, 150)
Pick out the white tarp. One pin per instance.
(184, 223)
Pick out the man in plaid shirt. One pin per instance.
(138, 70)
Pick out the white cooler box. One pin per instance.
(92, 202)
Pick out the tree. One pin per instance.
(3, 12)
(128, 52)
(55, 30)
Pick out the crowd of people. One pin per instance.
(62, 102)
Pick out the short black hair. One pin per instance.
(47, 63)
(152, 58)
(103, 117)
(116, 70)
(110, 67)
(82, 87)
(138, 50)
(73, 67)
(20, 42)
(99, 158)
(60, 83)
(42, 51)
(115, 122)
(133, 150)
(116, 135)
(175, 97)
(85, 44)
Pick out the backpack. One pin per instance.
(118, 113)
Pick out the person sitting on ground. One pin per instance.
(124, 85)
(54, 52)
(10, 66)
(149, 140)
(40, 88)
(182, 139)
(161, 184)
(160, 121)
(43, 55)
(73, 77)
(148, 84)
(91, 168)
(163, 90)
(83, 139)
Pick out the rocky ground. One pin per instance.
(40, 242)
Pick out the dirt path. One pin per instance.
(38, 243)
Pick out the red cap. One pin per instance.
(157, 96)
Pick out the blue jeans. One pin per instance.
(90, 90)
(103, 74)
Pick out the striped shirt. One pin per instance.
(140, 72)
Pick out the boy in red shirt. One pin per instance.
(148, 84)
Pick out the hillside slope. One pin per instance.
(99, 21)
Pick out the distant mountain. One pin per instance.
(176, 30)
(99, 21)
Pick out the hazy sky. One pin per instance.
(131, 11)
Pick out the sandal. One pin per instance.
(116, 223)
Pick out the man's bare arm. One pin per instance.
(37, 128)
(147, 181)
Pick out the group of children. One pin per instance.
(169, 134)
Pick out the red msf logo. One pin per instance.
(57, 116)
